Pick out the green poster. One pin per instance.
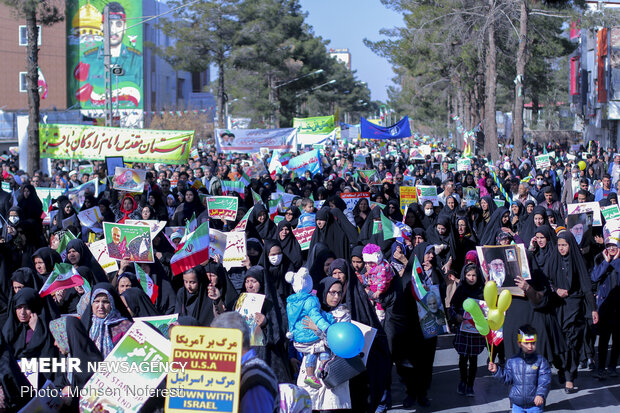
(85, 54)
(131, 242)
(314, 126)
(223, 207)
(610, 212)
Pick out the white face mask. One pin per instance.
(575, 175)
(428, 212)
(275, 259)
(13, 220)
(539, 182)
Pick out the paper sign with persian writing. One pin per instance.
(153, 224)
(408, 196)
(58, 141)
(304, 236)
(127, 391)
(235, 249)
(99, 249)
(594, 207)
(352, 198)
(213, 371)
(463, 164)
(610, 212)
(223, 207)
(543, 161)
(131, 242)
(427, 193)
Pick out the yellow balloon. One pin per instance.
(496, 319)
(582, 165)
(490, 294)
(504, 301)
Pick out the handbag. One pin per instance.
(338, 370)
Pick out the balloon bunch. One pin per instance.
(497, 309)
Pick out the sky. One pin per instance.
(345, 23)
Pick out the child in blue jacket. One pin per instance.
(528, 372)
(298, 306)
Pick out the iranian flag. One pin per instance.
(150, 288)
(62, 277)
(194, 252)
(416, 279)
(62, 244)
(234, 186)
(244, 221)
(244, 178)
(256, 198)
(392, 229)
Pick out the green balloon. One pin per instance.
(482, 325)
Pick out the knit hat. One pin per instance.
(372, 253)
(301, 280)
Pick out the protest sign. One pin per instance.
(86, 169)
(154, 225)
(408, 196)
(543, 161)
(471, 195)
(463, 164)
(503, 263)
(427, 193)
(247, 305)
(235, 249)
(309, 161)
(130, 180)
(160, 322)
(583, 207)
(223, 207)
(431, 314)
(610, 212)
(91, 218)
(131, 242)
(96, 142)
(352, 198)
(217, 243)
(304, 236)
(212, 374)
(499, 202)
(359, 161)
(111, 162)
(126, 391)
(251, 140)
(580, 225)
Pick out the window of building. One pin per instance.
(23, 35)
(23, 82)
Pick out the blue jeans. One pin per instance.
(534, 409)
(312, 358)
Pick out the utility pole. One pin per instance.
(107, 63)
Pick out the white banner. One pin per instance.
(251, 140)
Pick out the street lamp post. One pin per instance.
(274, 98)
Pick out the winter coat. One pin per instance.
(298, 306)
(530, 376)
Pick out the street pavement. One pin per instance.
(492, 396)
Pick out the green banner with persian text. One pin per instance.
(316, 125)
(96, 142)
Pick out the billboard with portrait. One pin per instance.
(85, 54)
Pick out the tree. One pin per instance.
(35, 12)
(203, 34)
(490, 124)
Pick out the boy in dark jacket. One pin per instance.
(528, 372)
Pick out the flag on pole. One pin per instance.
(256, 198)
(150, 288)
(63, 276)
(62, 244)
(194, 252)
(244, 178)
(416, 281)
(279, 188)
(234, 186)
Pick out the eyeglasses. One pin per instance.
(334, 293)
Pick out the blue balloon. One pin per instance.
(345, 339)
